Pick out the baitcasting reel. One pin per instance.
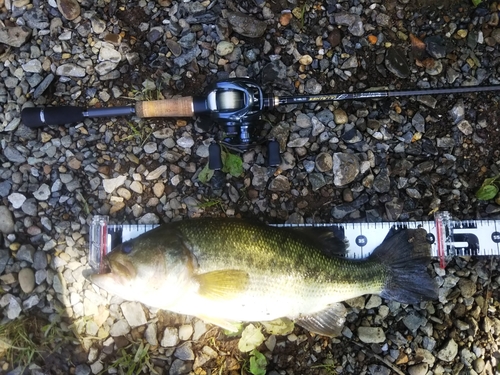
(236, 105)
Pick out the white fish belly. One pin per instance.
(269, 298)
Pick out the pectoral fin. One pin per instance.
(225, 284)
(328, 322)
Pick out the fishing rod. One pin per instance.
(235, 104)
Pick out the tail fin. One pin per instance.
(406, 255)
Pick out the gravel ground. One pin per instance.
(388, 159)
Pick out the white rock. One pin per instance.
(42, 193)
(119, 328)
(108, 53)
(33, 66)
(156, 173)
(134, 313)
(186, 142)
(151, 335)
(113, 183)
(105, 67)
(371, 335)
(449, 351)
(70, 70)
(170, 337)
(136, 187)
(16, 199)
(185, 331)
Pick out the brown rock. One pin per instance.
(70, 9)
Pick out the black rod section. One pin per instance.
(35, 117)
(381, 94)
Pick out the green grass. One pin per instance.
(133, 359)
(139, 132)
(25, 340)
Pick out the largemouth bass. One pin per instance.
(227, 271)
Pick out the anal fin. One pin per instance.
(226, 324)
(328, 322)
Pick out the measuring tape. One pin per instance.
(447, 237)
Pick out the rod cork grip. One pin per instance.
(37, 117)
(178, 107)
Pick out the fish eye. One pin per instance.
(127, 247)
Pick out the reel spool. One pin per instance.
(236, 106)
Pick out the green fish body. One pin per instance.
(227, 271)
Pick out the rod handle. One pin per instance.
(178, 107)
(36, 117)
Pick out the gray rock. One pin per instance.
(352, 21)
(303, 121)
(382, 183)
(119, 328)
(39, 260)
(25, 253)
(133, 313)
(32, 66)
(26, 278)
(449, 351)
(317, 181)
(31, 302)
(396, 63)
(325, 116)
(457, 113)
(324, 162)
(345, 168)
(419, 369)
(70, 70)
(5, 187)
(42, 193)
(371, 335)
(6, 221)
(184, 352)
(260, 177)
(14, 36)
(465, 127)
(312, 86)
(186, 142)
(149, 218)
(36, 18)
(170, 337)
(346, 208)
(104, 68)
(150, 334)
(4, 259)
(17, 200)
(154, 175)
(224, 48)
(279, 183)
(418, 122)
(13, 155)
(82, 369)
(467, 288)
(179, 367)
(14, 306)
(414, 321)
(246, 25)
